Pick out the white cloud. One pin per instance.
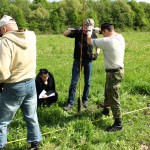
(148, 1)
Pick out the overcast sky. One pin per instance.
(148, 1)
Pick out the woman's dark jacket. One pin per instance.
(40, 86)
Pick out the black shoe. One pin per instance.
(85, 104)
(105, 111)
(114, 128)
(34, 145)
(66, 108)
(2, 148)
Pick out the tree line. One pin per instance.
(42, 16)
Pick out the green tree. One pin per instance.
(139, 19)
(24, 5)
(62, 18)
(91, 12)
(54, 17)
(146, 7)
(73, 9)
(43, 3)
(4, 7)
(103, 10)
(122, 15)
(38, 19)
(55, 22)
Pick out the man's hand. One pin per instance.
(67, 32)
(45, 96)
(94, 56)
(96, 30)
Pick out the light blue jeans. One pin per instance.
(19, 95)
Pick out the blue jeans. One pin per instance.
(75, 76)
(19, 95)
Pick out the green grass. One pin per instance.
(68, 131)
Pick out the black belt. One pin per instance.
(114, 70)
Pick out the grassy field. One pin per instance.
(67, 131)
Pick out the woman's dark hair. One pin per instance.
(43, 71)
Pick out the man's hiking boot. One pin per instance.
(2, 148)
(69, 106)
(105, 111)
(116, 126)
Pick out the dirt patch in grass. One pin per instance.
(145, 147)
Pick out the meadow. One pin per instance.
(70, 131)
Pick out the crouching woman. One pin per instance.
(45, 86)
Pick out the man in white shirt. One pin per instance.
(113, 45)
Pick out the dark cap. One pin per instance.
(108, 26)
